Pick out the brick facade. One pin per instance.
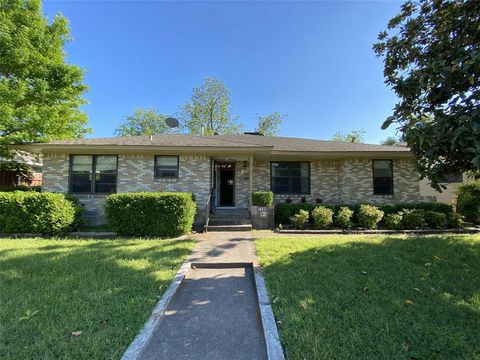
(334, 181)
(347, 181)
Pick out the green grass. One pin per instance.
(105, 289)
(375, 297)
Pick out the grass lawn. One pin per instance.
(375, 297)
(104, 288)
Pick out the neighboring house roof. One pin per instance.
(23, 158)
(244, 142)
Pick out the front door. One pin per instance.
(226, 184)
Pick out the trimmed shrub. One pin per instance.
(39, 213)
(468, 201)
(79, 211)
(283, 213)
(343, 218)
(300, 220)
(262, 198)
(427, 206)
(393, 221)
(413, 219)
(369, 216)
(322, 217)
(435, 220)
(454, 221)
(150, 213)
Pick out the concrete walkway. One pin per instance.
(214, 314)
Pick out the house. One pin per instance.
(225, 169)
(11, 170)
(448, 195)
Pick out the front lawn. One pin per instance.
(375, 297)
(80, 299)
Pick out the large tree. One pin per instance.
(209, 109)
(269, 125)
(354, 136)
(40, 93)
(144, 122)
(431, 52)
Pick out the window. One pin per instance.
(166, 167)
(82, 168)
(290, 177)
(383, 177)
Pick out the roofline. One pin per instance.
(263, 151)
(49, 148)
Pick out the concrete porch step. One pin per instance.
(229, 221)
(244, 227)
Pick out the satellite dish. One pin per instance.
(171, 122)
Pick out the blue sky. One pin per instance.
(310, 60)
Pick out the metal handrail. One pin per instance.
(208, 210)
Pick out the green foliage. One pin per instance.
(150, 214)
(393, 221)
(468, 201)
(22, 170)
(454, 221)
(269, 125)
(431, 61)
(354, 136)
(369, 216)
(20, 188)
(343, 218)
(33, 212)
(79, 211)
(145, 122)
(322, 217)
(426, 206)
(262, 198)
(283, 213)
(209, 108)
(413, 219)
(436, 220)
(300, 220)
(389, 141)
(41, 94)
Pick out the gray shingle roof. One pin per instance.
(287, 144)
(299, 144)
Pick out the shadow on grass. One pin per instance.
(415, 297)
(105, 289)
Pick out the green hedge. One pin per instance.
(262, 198)
(150, 214)
(468, 201)
(284, 211)
(20, 188)
(39, 213)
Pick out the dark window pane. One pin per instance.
(382, 177)
(290, 177)
(166, 167)
(81, 174)
(80, 183)
(105, 174)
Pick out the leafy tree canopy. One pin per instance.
(144, 122)
(209, 109)
(354, 136)
(431, 53)
(391, 140)
(40, 94)
(269, 125)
